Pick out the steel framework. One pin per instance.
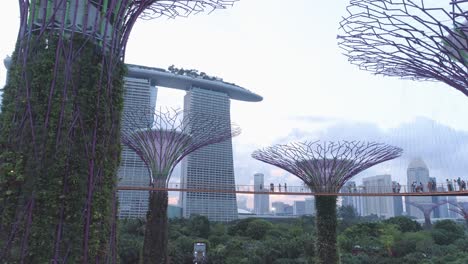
(426, 209)
(411, 39)
(325, 167)
(162, 139)
(460, 208)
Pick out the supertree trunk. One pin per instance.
(156, 232)
(326, 224)
(61, 142)
(427, 221)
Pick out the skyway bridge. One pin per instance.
(302, 190)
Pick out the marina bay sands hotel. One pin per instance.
(211, 165)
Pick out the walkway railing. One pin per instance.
(401, 190)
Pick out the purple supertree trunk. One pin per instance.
(411, 39)
(162, 139)
(60, 126)
(325, 167)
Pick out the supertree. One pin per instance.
(60, 125)
(325, 167)
(411, 39)
(460, 208)
(162, 139)
(426, 209)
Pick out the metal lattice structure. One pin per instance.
(326, 166)
(411, 39)
(60, 126)
(162, 139)
(426, 209)
(460, 208)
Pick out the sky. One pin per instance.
(287, 52)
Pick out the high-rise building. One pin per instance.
(261, 201)
(278, 207)
(242, 203)
(309, 206)
(299, 208)
(211, 165)
(379, 205)
(132, 171)
(417, 173)
(354, 201)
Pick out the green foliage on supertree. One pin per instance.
(46, 135)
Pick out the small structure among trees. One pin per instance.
(162, 139)
(426, 209)
(325, 167)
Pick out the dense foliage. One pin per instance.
(59, 152)
(292, 241)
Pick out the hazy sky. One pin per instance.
(287, 52)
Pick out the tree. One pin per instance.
(325, 168)
(199, 226)
(258, 228)
(446, 232)
(404, 224)
(162, 139)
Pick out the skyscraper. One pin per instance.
(354, 201)
(299, 208)
(417, 173)
(309, 206)
(379, 205)
(132, 171)
(211, 166)
(261, 201)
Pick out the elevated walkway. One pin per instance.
(298, 190)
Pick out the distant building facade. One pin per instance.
(138, 94)
(309, 206)
(211, 165)
(354, 201)
(299, 208)
(261, 201)
(417, 173)
(379, 205)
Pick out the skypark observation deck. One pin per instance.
(186, 81)
(302, 190)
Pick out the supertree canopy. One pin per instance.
(426, 209)
(412, 39)
(60, 126)
(162, 139)
(460, 208)
(325, 167)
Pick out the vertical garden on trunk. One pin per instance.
(59, 134)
